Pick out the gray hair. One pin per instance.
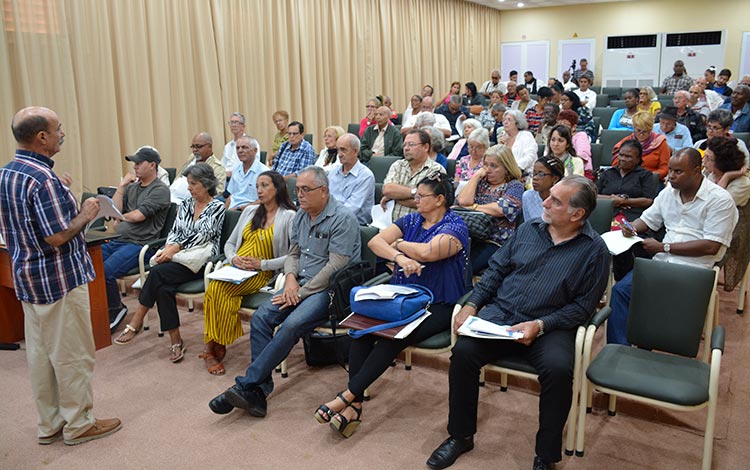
(353, 141)
(436, 137)
(480, 136)
(473, 123)
(520, 119)
(251, 141)
(424, 119)
(722, 116)
(239, 115)
(203, 174)
(456, 99)
(320, 177)
(499, 107)
(682, 93)
(585, 196)
(744, 89)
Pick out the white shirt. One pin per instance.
(488, 87)
(230, 159)
(179, 187)
(587, 95)
(711, 215)
(441, 122)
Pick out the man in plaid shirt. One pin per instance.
(295, 154)
(679, 81)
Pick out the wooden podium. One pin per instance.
(11, 312)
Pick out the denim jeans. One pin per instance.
(119, 258)
(617, 324)
(268, 350)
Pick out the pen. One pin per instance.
(402, 270)
(628, 226)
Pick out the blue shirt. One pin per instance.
(452, 118)
(445, 277)
(355, 190)
(34, 205)
(679, 137)
(741, 118)
(442, 159)
(532, 205)
(289, 161)
(242, 186)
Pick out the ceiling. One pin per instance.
(513, 4)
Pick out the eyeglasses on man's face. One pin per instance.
(235, 123)
(197, 146)
(305, 190)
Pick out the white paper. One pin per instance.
(618, 243)
(136, 284)
(461, 185)
(479, 328)
(2, 239)
(381, 219)
(406, 331)
(107, 209)
(232, 274)
(382, 291)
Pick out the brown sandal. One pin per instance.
(216, 369)
(220, 351)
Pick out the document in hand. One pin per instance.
(381, 218)
(232, 274)
(107, 209)
(382, 292)
(478, 328)
(618, 243)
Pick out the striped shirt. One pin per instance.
(34, 205)
(532, 278)
(188, 232)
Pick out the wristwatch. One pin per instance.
(667, 247)
(541, 327)
(413, 192)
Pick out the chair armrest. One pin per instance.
(381, 278)
(599, 317)
(717, 338)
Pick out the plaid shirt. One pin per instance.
(34, 204)
(674, 84)
(289, 161)
(400, 173)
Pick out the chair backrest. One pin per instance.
(309, 138)
(263, 156)
(378, 193)
(664, 97)
(664, 104)
(291, 185)
(596, 156)
(668, 306)
(230, 221)
(353, 128)
(608, 139)
(602, 100)
(601, 218)
(366, 233)
(540, 150)
(380, 166)
(618, 104)
(614, 92)
(169, 221)
(171, 173)
(743, 136)
(451, 169)
(604, 115)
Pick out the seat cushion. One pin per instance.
(438, 341)
(192, 287)
(673, 379)
(253, 301)
(516, 363)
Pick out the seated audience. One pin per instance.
(710, 76)
(569, 100)
(498, 112)
(678, 136)
(680, 80)
(382, 138)
(427, 107)
(719, 124)
(568, 83)
(477, 143)
(329, 157)
(713, 99)
(547, 172)
(545, 282)
(496, 189)
(698, 101)
(237, 127)
(524, 101)
(688, 117)
(143, 200)
(739, 106)
(485, 117)
(557, 89)
(430, 247)
(560, 145)
(453, 111)
(281, 121)
(549, 120)
(372, 105)
(414, 104)
(493, 85)
(454, 90)
(400, 184)
(631, 187)
(530, 82)
(699, 218)
(647, 101)
(519, 139)
(352, 183)
(242, 187)
(535, 114)
(202, 147)
(437, 144)
(461, 148)
(656, 152)
(587, 96)
(198, 223)
(720, 85)
(471, 96)
(512, 94)
(581, 142)
(583, 71)
(622, 119)
(388, 103)
(745, 80)
(295, 154)
(259, 242)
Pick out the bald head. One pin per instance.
(382, 116)
(427, 104)
(38, 129)
(202, 146)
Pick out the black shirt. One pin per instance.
(638, 183)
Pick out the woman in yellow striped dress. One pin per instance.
(259, 242)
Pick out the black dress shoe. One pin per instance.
(220, 405)
(253, 400)
(540, 464)
(445, 455)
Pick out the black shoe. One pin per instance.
(220, 405)
(445, 455)
(253, 400)
(540, 464)
(116, 316)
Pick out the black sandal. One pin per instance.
(324, 414)
(344, 426)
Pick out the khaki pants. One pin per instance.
(60, 352)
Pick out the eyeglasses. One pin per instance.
(540, 174)
(197, 146)
(412, 144)
(243, 147)
(305, 190)
(641, 131)
(715, 128)
(235, 123)
(476, 148)
(418, 197)
(294, 133)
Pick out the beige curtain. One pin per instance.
(126, 73)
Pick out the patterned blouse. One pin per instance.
(464, 171)
(508, 197)
(188, 232)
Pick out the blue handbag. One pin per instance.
(401, 310)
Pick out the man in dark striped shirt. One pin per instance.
(545, 281)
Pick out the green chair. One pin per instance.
(171, 173)
(609, 138)
(540, 150)
(451, 168)
(743, 136)
(602, 100)
(671, 307)
(309, 138)
(604, 115)
(263, 156)
(596, 157)
(353, 128)
(378, 193)
(601, 218)
(618, 104)
(614, 92)
(380, 166)
(595, 88)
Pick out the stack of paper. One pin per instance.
(382, 292)
(478, 328)
(232, 274)
(618, 243)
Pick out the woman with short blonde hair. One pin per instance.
(329, 155)
(656, 151)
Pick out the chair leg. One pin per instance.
(407, 363)
(284, 373)
(366, 394)
(713, 398)
(503, 382)
(481, 377)
(584, 395)
(191, 306)
(123, 288)
(612, 407)
(741, 297)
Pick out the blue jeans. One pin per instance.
(119, 258)
(617, 324)
(268, 350)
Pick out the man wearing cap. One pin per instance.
(678, 136)
(143, 200)
(203, 152)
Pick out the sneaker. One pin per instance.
(116, 316)
(101, 428)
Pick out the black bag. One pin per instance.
(480, 224)
(323, 349)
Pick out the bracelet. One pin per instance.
(396, 255)
(471, 304)
(474, 207)
(395, 245)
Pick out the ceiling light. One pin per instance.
(520, 4)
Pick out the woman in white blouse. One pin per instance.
(519, 139)
(329, 155)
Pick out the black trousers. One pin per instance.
(552, 356)
(370, 355)
(160, 289)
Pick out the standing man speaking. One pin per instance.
(42, 227)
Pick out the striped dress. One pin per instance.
(223, 299)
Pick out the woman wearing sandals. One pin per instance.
(198, 222)
(259, 242)
(429, 248)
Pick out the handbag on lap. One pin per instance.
(401, 309)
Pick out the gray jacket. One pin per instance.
(282, 226)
